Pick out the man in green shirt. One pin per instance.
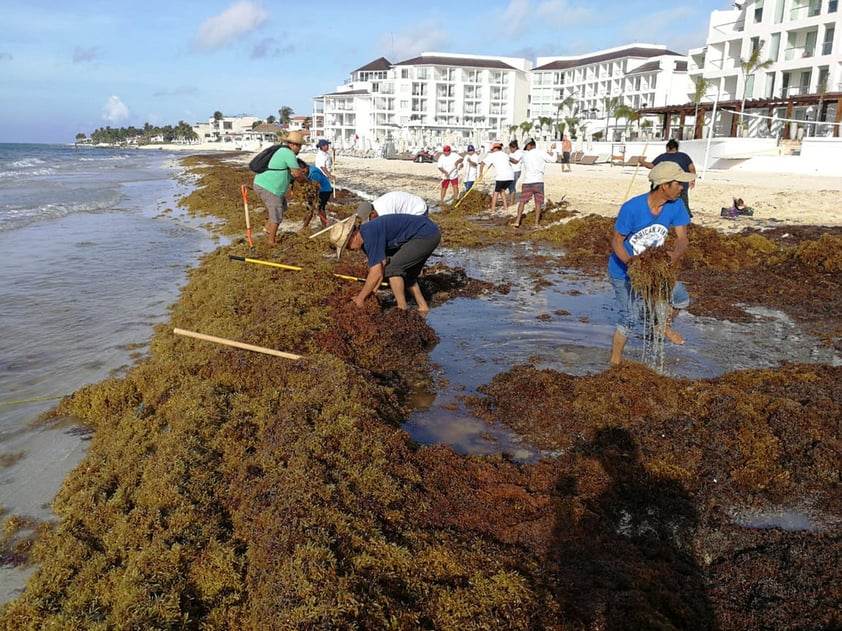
(271, 185)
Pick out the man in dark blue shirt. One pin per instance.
(397, 247)
(681, 159)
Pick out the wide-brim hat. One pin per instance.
(296, 137)
(340, 233)
(668, 171)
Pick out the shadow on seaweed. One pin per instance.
(623, 555)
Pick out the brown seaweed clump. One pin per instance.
(652, 277)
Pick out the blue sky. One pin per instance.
(74, 66)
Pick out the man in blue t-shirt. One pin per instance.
(315, 174)
(681, 159)
(643, 222)
(397, 247)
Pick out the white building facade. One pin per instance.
(800, 61)
(427, 101)
(589, 88)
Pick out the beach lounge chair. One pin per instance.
(618, 160)
(588, 160)
(576, 156)
(632, 161)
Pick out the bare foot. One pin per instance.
(515, 224)
(673, 336)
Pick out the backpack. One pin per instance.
(260, 162)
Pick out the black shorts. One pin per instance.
(409, 260)
(502, 185)
(324, 196)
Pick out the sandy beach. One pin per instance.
(777, 198)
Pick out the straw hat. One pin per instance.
(340, 233)
(296, 137)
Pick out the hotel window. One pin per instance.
(827, 45)
(779, 11)
(832, 6)
(758, 12)
(775, 46)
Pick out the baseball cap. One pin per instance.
(471, 148)
(322, 143)
(364, 210)
(528, 141)
(446, 148)
(666, 171)
(497, 145)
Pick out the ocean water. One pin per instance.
(94, 251)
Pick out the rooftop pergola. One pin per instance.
(771, 104)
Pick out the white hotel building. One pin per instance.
(446, 98)
(590, 87)
(802, 40)
(433, 99)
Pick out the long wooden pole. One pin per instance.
(473, 186)
(645, 147)
(292, 267)
(245, 193)
(244, 346)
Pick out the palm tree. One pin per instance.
(628, 113)
(821, 90)
(525, 127)
(565, 104)
(512, 129)
(610, 104)
(546, 122)
(573, 125)
(701, 85)
(285, 113)
(749, 67)
(271, 119)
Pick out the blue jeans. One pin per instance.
(513, 185)
(628, 313)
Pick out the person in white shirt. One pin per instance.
(534, 163)
(449, 163)
(323, 161)
(394, 203)
(503, 173)
(471, 167)
(515, 155)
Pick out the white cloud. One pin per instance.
(516, 17)
(670, 24)
(238, 19)
(425, 36)
(524, 16)
(561, 14)
(114, 110)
